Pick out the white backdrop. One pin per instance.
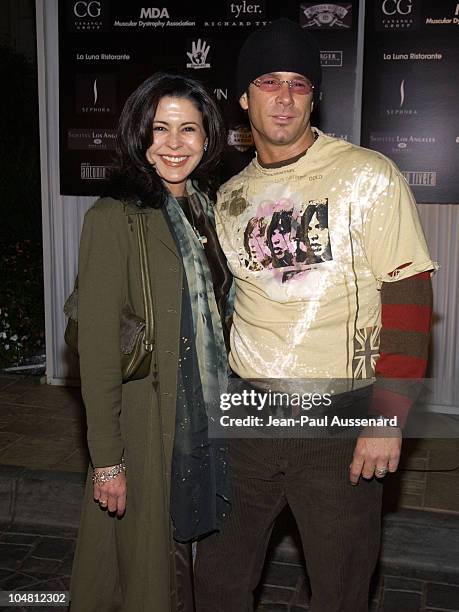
(63, 217)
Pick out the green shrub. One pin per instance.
(21, 303)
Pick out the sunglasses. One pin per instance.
(269, 84)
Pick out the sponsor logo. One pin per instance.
(235, 23)
(154, 13)
(326, 16)
(89, 172)
(221, 94)
(198, 54)
(246, 10)
(153, 17)
(80, 139)
(395, 95)
(240, 137)
(87, 15)
(141, 24)
(420, 178)
(105, 57)
(397, 14)
(95, 94)
(392, 144)
(331, 59)
(450, 20)
(341, 135)
(422, 57)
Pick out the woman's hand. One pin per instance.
(111, 494)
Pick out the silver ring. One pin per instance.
(103, 502)
(379, 472)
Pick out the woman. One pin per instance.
(169, 142)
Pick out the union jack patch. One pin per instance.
(366, 352)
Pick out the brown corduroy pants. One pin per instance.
(339, 524)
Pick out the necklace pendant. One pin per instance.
(202, 239)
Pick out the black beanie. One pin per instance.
(281, 46)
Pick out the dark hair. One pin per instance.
(320, 210)
(133, 178)
(254, 222)
(281, 221)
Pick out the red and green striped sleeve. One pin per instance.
(406, 314)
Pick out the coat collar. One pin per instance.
(156, 225)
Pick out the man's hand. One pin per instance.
(112, 494)
(374, 452)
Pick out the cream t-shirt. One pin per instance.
(309, 245)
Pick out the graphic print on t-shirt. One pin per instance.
(279, 236)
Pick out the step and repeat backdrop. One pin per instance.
(410, 97)
(411, 93)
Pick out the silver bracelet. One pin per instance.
(102, 477)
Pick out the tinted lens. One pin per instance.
(269, 84)
(296, 85)
(301, 87)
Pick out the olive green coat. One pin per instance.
(127, 564)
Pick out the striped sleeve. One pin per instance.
(406, 313)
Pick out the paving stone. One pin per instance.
(302, 595)
(442, 491)
(39, 530)
(31, 452)
(11, 555)
(401, 601)
(19, 538)
(37, 565)
(65, 568)
(281, 608)
(442, 596)
(19, 581)
(77, 461)
(283, 574)
(52, 548)
(4, 574)
(14, 392)
(62, 583)
(48, 498)
(421, 545)
(6, 381)
(400, 583)
(8, 415)
(47, 395)
(277, 595)
(7, 498)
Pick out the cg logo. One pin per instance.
(402, 7)
(87, 9)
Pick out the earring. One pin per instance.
(205, 147)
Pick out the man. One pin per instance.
(363, 310)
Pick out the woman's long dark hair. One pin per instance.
(133, 178)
